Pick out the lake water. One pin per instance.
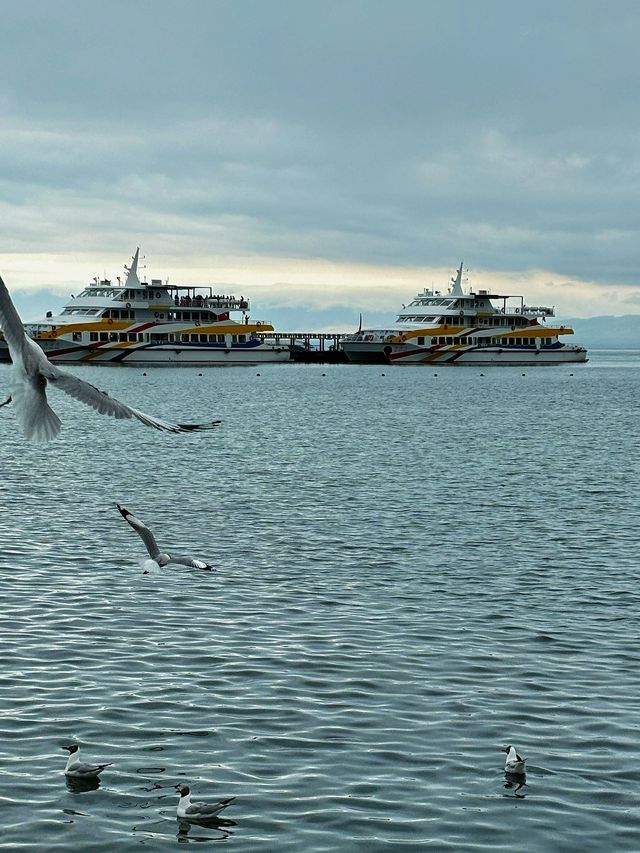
(413, 570)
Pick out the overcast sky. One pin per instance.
(334, 154)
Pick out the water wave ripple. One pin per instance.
(413, 571)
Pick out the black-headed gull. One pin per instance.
(198, 811)
(514, 762)
(76, 770)
(161, 559)
(32, 372)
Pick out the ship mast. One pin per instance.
(456, 289)
(132, 271)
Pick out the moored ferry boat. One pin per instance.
(466, 328)
(153, 323)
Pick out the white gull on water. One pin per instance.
(514, 763)
(76, 769)
(198, 811)
(32, 372)
(159, 558)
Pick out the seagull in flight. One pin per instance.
(76, 770)
(198, 811)
(152, 546)
(32, 372)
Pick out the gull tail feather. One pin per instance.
(39, 422)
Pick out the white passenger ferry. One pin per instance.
(466, 328)
(154, 324)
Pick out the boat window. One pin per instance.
(93, 336)
(421, 341)
(203, 339)
(220, 339)
(184, 338)
(242, 338)
(186, 315)
(122, 337)
(194, 339)
(132, 337)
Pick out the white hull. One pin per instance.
(398, 354)
(162, 355)
(170, 356)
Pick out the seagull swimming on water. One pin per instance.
(76, 770)
(514, 762)
(32, 372)
(198, 811)
(152, 546)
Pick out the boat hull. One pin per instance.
(187, 355)
(399, 354)
(365, 353)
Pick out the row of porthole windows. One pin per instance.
(444, 341)
(139, 337)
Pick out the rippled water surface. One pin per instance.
(413, 570)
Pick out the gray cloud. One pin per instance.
(404, 133)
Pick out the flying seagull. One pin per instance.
(32, 372)
(76, 770)
(152, 546)
(198, 811)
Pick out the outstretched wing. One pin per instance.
(189, 561)
(142, 530)
(11, 324)
(106, 405)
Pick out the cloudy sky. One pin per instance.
(324, 157)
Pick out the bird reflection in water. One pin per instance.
(79, 785)
(516, 782)
(222, 826)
